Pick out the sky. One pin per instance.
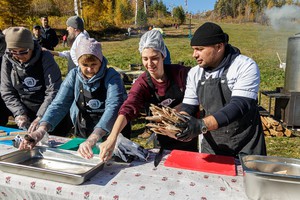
(194, 6)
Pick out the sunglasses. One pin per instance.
(18, 53)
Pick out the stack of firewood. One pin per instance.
(271, 127)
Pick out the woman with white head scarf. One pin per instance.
(160, 85)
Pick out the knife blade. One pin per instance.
(158, 157)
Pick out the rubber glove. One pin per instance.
(192, 128)
(85, 148)
(34, 125)
(22, 121)
(31, 139)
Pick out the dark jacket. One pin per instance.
(50, 39)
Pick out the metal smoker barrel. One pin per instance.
(292, 71)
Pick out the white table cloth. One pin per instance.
(123, 181)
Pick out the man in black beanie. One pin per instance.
(224, 85)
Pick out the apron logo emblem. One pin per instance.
(166, 102)
(94, 104)
(30, 82)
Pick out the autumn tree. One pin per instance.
(179, 14)
(123, 12)
(156, 9)
(14, 13)
(141, 18)
(44, 7)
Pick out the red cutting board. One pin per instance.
(201, 162)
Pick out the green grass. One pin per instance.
(256, 41)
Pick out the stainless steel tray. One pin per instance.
(269, 177)
(51, 164)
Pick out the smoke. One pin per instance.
(285, 17)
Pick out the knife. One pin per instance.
(158, 157)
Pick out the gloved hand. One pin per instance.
(22, 121)
(192, 128)
(31, 139)
(34, 125)
(85, 148)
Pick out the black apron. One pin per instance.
(173, 97)
(30, 85)
(241, 136)
(91, 107)
(31, 88)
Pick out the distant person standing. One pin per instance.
(75, 28)
(51, 39)
(37, 34)
(64, 38)
(129, 31)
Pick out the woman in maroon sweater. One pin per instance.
(160, 85)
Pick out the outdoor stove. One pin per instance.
(287, 98)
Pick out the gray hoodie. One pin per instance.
(13, 96)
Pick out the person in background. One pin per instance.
(5, 113)
(30, 79)
(93, 92)
(49, 34)
(37, 34)
(64, 39)
(225, 84)
(160, 84)
(75, 28)
(129, 31)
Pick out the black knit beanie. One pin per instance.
(209, 34)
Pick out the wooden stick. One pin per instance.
(7, 138)
(18, 133)
(3, 134)
(278, 57)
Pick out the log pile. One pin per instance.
(273, 128)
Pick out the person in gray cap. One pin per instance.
(30, 79)
(75, 28)
(92, 92)
(225, 85)
(161, 85)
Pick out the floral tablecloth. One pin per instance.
(137, 180)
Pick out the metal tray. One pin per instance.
(51, 164)
(269, 177)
